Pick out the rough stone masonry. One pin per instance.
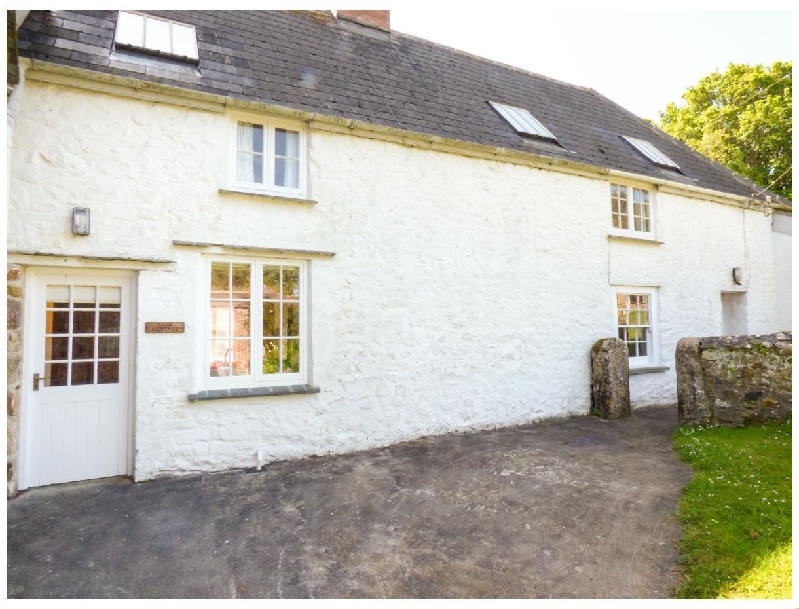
(734, 380)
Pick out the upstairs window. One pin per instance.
(651, 153)
(522, 121)
(269, 157)
(631, 210)
(152, 34)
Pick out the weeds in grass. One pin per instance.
(736, 512)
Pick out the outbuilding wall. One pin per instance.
(464, 293)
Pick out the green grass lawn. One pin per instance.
(736, 512)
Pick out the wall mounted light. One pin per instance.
(81, 221)
(737, 275)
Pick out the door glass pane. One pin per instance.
(83, 347)
(56, 348)
(57, 322)
(55, 375)
(107, 373)
(83, 322)
(83, 297)
(110, 297)
(57, 296)
(82, 373)
(108, 346)
(109, 322)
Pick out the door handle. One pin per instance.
(37, 378)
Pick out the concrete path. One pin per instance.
(573, 508)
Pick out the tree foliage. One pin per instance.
(742, 119)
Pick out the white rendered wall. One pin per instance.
(464, 293)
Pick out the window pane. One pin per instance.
(271, 363)
(82, 373)
(83, 297)
(56, 348)
(271, 282)
(220, 319)
(241, 319)
(107, 373)
(130, 29)
(250, 138)
(250, 168)
(220, 279)
(83, 322)
(108, 346)
(55, 375)
(83, 347)
(183, 41)
(220, 358)
(291, 319)
(241, 357)
(291, 282)
(287, 173)
(287, 143)
(58, 322)
(156, 35)
(291, 355)
(271, 319)
(109, 322)
(241, 281)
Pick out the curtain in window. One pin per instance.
(249, 158)
(287, 158)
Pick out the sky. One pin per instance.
(640, 58)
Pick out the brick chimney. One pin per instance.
(375, 19)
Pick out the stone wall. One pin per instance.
(13, 371)
(734, 380)
(610, 379)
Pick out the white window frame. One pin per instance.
(631, 231)
(652, 357)
(267, 186)
(256, 377)
(194, 56)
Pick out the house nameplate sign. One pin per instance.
(164, 327)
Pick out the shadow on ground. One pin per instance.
(572, 508)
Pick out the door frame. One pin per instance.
(29, 367)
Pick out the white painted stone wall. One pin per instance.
(464, 293)
(782, 235)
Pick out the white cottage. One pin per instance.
(236, 237)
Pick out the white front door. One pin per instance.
(78, 421)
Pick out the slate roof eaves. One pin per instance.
(403, 82)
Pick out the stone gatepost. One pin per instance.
(610, 379)
(13, 372)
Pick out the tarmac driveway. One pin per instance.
(570, 508)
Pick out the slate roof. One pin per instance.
(307, 61)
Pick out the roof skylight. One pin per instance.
(522, 121)
(159, 35)
(650, 152)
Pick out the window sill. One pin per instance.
(264, 195)
(648, 369)
(614, 237)
(251, 392)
